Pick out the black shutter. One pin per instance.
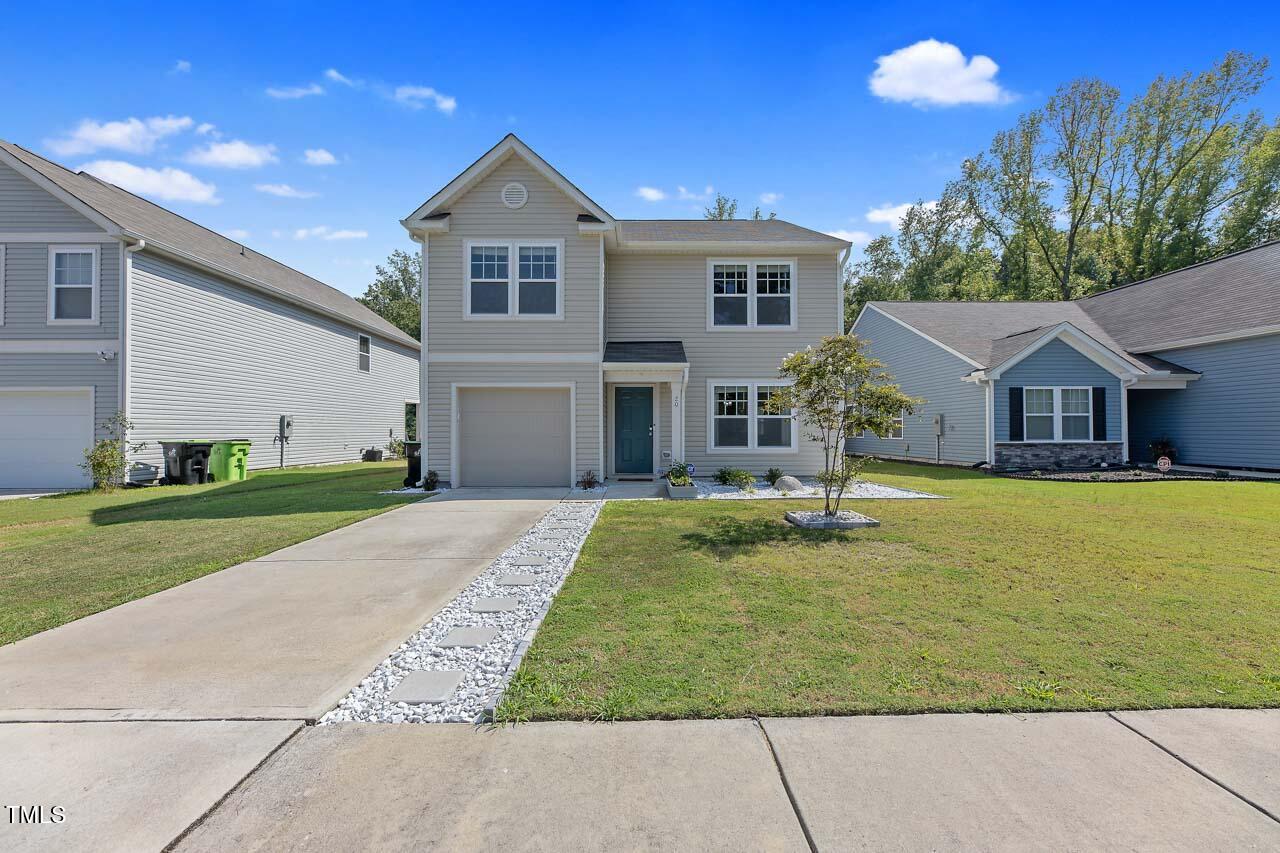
(1015, 414)
(1099, 414)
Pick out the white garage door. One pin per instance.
(513, 436)
(43, 436)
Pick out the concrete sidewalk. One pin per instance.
(930, 782)
(282, 637)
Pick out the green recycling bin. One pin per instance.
(229, 460)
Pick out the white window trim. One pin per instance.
(513, 246)
(359, 353)
(96, 291)
(752, 385)
(751, 264)
(901, 421)
(1058, 414)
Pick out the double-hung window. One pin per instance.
(746, 415)
(73, 284)
(1057, 414)
(751, 293)
(362, 353)
(514, 279)
(895, 427)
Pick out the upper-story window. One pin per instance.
(751, 293)
(514, 279)
(73, 284)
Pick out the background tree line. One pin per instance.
(1089, 192)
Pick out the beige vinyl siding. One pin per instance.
(24, 206)
(212, 359)
(441, 377)
(66, 370)
(26, 294)
(664, 297)
(480, 215)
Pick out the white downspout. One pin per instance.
(842, 259)
(1124, 417)
(423, 239)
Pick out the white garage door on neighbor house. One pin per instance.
(513, 437)
(43, 436)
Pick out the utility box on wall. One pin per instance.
(939, 427)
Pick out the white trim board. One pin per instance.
(751, 297)
(95, 286)
(455, 470)
(56, 237)
(83, 346)
(513, 246)
(1087, 346)
(513, 357)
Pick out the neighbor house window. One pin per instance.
(744, 415)
(514, 278)
(895, 426)
(749, 294)
(362, 359)
(1057, 414)
(73, 284)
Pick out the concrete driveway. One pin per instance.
(282, 637)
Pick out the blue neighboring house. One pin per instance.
(1192, 356)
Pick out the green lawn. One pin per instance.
(1013, 595)
(67, 556)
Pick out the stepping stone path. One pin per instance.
(426, 686)
(495, 605)
(529, 561)
(468, 638)
(518, 580)
(544, 545)
(560, 525)
(554, 534)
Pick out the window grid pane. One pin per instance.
(731, 401)
(729, 279)
(1076, 401)
(773, 279)
(537, 263)
(73, 268)
(489, 263)
(1038, 401)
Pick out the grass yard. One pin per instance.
(1013, 595)
(66, 556)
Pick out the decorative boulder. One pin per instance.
(788, 484)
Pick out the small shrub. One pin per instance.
(1222, 474)
(588, 480)
(678, 474)
(107, 461)
(1095, 476)
(773, 475)
(395, 447)
(1163, 447)
(432, 481)
(739, 477)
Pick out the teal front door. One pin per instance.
(633, 430)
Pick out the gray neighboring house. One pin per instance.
(1192, 356)
(559, 339)
(110, 303)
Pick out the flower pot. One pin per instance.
(681, 493)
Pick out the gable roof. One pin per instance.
(163, 229)
(1223, 296)
(510, 145)
(724, 231)
(991, 333)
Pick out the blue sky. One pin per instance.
(632, 104)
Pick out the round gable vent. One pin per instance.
(514, 196)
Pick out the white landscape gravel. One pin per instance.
(860, 489)
(558, 536)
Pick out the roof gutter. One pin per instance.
(258, 284)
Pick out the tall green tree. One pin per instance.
(396, 292)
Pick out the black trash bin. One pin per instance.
(186, 463)
(413, 454)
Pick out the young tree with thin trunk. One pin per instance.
(839, 392)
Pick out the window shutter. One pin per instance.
(1015, 414)
(1099, 414)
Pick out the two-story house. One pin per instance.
(111, 304)
(558, 339)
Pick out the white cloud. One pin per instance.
(207, 129)
(935, 73)
(770, 198)
(236, 234)
(416, 97)
(292, 93)
(650, 193)
(284, 191)
(236, 154)
(338, 77)
(182, 66)
(167, 184)
(857, 238)
(137, 136)
(891, 214)
(318, 157)
(685, 195)
(324, 232)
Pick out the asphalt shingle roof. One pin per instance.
(154, 223)
(731, 230)
(645, 352)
